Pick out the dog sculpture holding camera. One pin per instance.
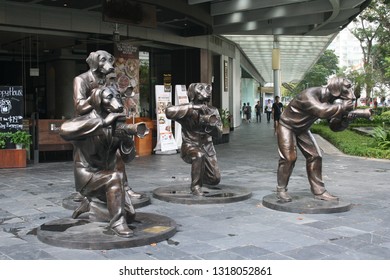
(334, 103)
(98, 138)
(200, 123)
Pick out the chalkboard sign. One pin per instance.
(11, 108)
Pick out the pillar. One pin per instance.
(276, 66)
(64, 75)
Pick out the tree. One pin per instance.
(372, 29)
(357, 78)
(318, 75)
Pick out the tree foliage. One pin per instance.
(318, 75)
(326, 66)
(358, 80)
(372, 29)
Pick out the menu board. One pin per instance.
(11, 108)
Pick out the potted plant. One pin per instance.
(10, 157)
(3, 139)
(21, 139)
(225, 118)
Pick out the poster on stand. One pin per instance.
(181, 97)
(127, 76)
(11, 108)
(165, 141)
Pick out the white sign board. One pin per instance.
(165, 140)
(181, 97)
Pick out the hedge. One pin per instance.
(351, 143)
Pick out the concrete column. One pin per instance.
(50, 90)
(205, 66)
(64, 75)
(276, 66)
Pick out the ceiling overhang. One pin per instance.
(302, 28)
(297, 53)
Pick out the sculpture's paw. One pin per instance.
(122, 230)
(197, 191)
(134, 194)
(326, 196)
(283, 196)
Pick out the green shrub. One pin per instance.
(385, 117)
(4, 138)
(365, 122)
(21, 137)
(2, 143)
(380, 110)
(18, 137)
(382, 138)
(225, 117)
(352, 143)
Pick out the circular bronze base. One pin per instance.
(84, 234)
(305, 203)
(216, 194)
(70, 204)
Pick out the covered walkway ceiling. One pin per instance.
(304, 28)
(297, 53)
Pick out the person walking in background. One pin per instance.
(244, 111)
(268, 110)
(277, 109)
(248, 112)
(258, 111)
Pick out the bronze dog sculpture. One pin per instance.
(101, 64)
(98, 138)
(335, 103)
(200, 122)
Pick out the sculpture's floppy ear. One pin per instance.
(96, 98)
(335, 86)
(191, 92)
(93, 61)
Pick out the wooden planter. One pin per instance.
(13, 158)
(143, 147)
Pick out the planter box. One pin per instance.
(143, 147)
(12, 158)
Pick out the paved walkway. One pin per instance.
(32, 196)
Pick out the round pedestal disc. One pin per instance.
(305, 203)
(84, 234)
